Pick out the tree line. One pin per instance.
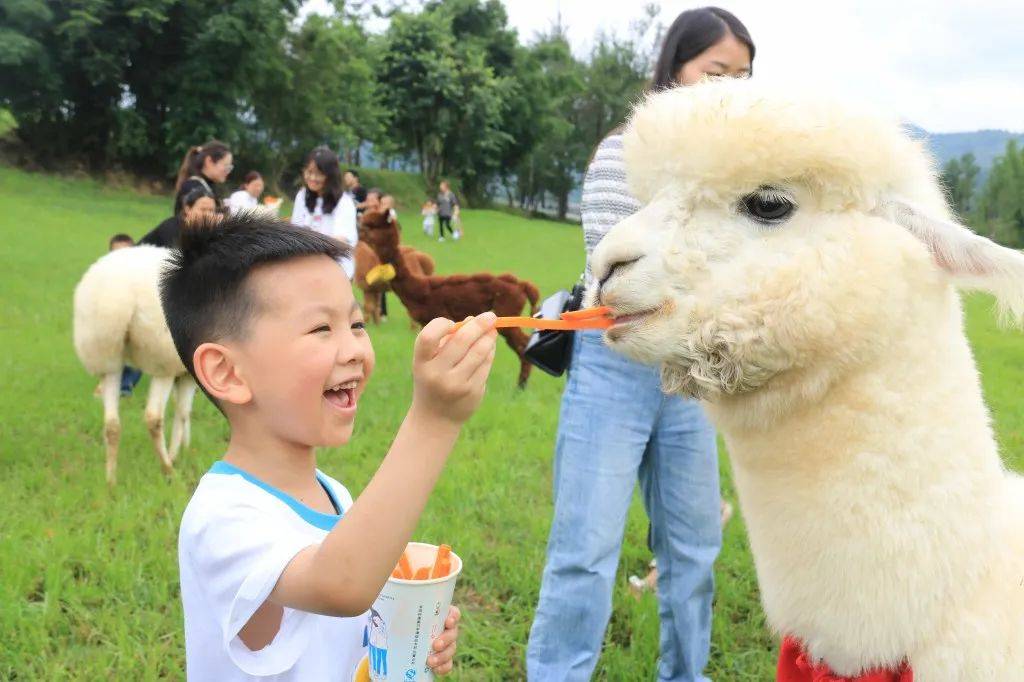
(993, 208)
(131, 84)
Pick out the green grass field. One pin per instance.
(88, 577)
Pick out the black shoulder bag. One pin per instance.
(549, 350)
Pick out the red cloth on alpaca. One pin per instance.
(796, 666)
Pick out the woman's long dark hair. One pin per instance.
(326, 162)
(694, 31)
(195, 157)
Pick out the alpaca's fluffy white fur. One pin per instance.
(830, 351)
(118, 320)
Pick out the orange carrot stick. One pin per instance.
(403, 569)
(443, 562)
(422, 573)
(539, 323)
(587, 313)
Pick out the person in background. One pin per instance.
(387, 203)
(429, 213)
(323, 206)
(447, 208)
(247, 197)
(120, 241)
(130, 376)
(204, 166)
(376, 201)
(353, 187)
(605, 442)
(196, 204)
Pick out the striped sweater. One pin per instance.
(606, 199)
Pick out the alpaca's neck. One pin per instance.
(410, 288)
(869, 509)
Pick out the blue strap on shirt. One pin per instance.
(308, 514)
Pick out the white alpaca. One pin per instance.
(118, 321)
(795, 267)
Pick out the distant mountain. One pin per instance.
(986, 145)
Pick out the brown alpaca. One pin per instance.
(453, 296)
(366, 259)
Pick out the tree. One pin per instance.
(553, 81)
(959, 177)
(452, 102)
(323, 91)
(134, 82)
(1000, 206)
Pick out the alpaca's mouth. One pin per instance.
(631, 318)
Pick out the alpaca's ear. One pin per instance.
(974, 261)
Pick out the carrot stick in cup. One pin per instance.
(443, 562)
(404, 569)
(422, 573)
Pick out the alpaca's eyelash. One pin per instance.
(773, 194)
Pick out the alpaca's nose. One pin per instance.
(612, 267)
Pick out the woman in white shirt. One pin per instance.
(322, 205)
(247, 196)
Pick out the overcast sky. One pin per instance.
(946, 65)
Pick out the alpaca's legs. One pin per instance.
(111, 389)
(517, 341)
(185, 390)
(156, 403)
(371, 306)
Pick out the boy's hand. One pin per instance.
(450, 372)
(441, 662)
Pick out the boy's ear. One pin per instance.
(216, 370)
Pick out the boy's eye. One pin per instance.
(321, 328)
(359, 325)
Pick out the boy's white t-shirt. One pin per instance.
(237, 535)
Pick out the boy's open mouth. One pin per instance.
(343, 395)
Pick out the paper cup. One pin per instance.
(406, 619)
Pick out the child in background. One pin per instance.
(130, 376)
(246, 198)
(429, 213)
(387, 203)
(278, 565)
(120, 241)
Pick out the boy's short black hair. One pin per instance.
(202, 288)
(121, 237)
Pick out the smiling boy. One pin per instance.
(278, 565)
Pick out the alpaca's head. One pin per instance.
(779, 234)
(381, 235)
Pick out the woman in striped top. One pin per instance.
(616, 426)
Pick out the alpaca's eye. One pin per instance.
(767, 205)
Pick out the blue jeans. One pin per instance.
(615, 426)
(129, 378)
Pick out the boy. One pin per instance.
(278, 565)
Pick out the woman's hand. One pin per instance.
(444, 646)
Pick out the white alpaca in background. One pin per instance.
(119, 320)
(795, 267)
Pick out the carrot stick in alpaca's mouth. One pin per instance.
(588, 318)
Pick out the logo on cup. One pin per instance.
(410, 674)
